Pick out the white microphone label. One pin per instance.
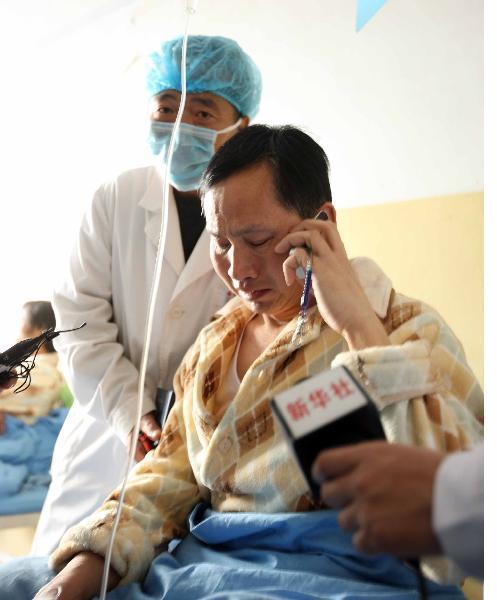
(319, 400)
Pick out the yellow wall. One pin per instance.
(432, 249)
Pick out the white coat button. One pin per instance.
(225, 444)
(176, 313)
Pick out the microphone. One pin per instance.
(324, 411)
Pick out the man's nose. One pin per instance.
(243, 265)
(188, 118)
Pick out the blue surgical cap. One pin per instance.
(213, 64)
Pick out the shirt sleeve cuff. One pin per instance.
(393, 373)
(132, 554)
(123, 419)
(458, 504)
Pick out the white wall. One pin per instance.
(397, 106)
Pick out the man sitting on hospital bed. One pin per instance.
(221, 445)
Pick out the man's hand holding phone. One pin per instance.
(340, 298)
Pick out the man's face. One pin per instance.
(245, 222)
(203, 110)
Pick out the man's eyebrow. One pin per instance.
(168, 96)
(244, 230)
(207, 102)
(193, 99)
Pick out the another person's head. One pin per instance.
(259, 185)
(37, 317)
(223, 88)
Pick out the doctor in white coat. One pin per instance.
(110, 277)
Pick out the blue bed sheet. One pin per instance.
(25, 457)
(247, 556)
(295, 556)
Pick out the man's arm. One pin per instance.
(340, 297)
(103, 379)
(160, 493)
(411, 362)
(407, 501)
(79, 580)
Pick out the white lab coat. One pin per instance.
(110, 277)
(458, 509)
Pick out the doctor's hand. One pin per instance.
(151, 429)
(384, 493)
(340, 298)
(80, 579)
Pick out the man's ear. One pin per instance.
(245, 123)
(329, 209)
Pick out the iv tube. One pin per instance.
(190, 9)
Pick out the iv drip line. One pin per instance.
(190, 10)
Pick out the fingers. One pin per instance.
(334, 462)
(310, 232)
(302, 238)
(140, 452)
(152, 432)
(150, 426)
(297, 260)
(337, 493)
(348, 519)
(49, 592)
(322, 241)
(78, 580)
(363, 538)
(363, 543)
(340, 461)
(341, 473)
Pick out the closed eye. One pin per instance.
(222, 248)
(258, 243)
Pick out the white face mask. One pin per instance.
(193, 150)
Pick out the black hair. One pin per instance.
(40, 315)
(299, 165)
